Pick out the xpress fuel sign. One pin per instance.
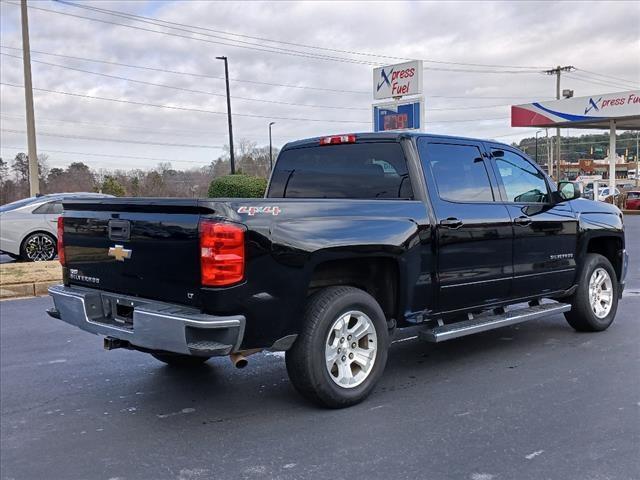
(397, 80)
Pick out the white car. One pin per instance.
(29, 227)
(603, 193)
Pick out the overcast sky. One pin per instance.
(600, 38)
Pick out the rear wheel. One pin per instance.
(342, 349)
(178, 360)
(38, 247)
(595, 302)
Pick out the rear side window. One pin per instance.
(460, 172)
(50, 208)
(356, 170)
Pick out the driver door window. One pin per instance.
(523, 183)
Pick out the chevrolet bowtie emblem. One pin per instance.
(120, 253)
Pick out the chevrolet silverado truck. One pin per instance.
(357, 235)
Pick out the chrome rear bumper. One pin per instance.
(147, 324)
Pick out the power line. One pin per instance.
(438, 122)
(594, 81)
(263, 39)
(191, 109)
(151, 20)
(159, 131)
(133, 157)
(187, 109)
(603, 81)
(114, 140)
(172, 34)
(633, 82)
(304, 87)
(189, 90)
(252, 46)
(117, 77)
(191, 74)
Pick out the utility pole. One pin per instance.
(231, 154)
(270, 148)
(557, 72)
(34, 182)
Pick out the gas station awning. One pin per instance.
(607, 111)
(594, 112)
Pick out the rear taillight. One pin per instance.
(338, 139)
(61, 241)
(221, 253)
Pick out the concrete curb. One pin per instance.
(21, 290)
(631, 212)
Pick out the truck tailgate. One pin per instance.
(142, 247)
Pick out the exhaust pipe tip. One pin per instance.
(239, 360)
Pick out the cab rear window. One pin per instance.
(357, 170)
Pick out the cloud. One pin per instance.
(504, 33)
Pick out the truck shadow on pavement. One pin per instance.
(218, 392)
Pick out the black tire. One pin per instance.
(582, 316)
(178, 360)
(305, 361)
(38, 246)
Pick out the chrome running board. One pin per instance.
(489, 321)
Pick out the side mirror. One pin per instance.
(568, 191)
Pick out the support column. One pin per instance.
(612, 156)
(550, 168)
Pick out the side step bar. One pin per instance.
(489, 321)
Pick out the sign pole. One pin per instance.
(612, 157)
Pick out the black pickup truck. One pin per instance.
(357, 235)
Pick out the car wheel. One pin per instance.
(595, 302)
(179, 360)
(38, 247)
(341, 351)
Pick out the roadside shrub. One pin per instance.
(238, 186)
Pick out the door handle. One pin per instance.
(523, 221)
(451, 222)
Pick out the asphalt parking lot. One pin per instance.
(535, 401)
(5, 258)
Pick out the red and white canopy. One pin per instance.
(595, 112)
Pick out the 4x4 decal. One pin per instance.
(253, 210)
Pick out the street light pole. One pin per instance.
(270, 148)
(226, 77)
(539, 131)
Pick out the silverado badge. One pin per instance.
(120, 253)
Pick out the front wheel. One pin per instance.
(341, 351)
(179, 360)
(595, 302)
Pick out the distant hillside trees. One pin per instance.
(162, 180)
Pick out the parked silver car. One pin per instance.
(28, 227)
